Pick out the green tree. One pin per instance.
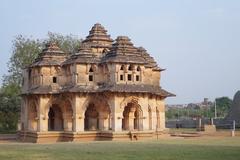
(9, 107)
(69, 43)
(24, 51)
(223, 105)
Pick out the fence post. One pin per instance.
(212, 121)
(200, 123)
(233, 128)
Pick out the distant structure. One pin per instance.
(205, 105)
(108, 90)
(234, 113)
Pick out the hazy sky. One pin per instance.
(197, 41)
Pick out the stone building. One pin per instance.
(108, 90)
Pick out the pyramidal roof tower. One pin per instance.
(51, 55)
(98, 40)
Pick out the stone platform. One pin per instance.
(55, 136)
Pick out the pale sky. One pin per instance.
(197, 41)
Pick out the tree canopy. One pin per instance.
(223, 105)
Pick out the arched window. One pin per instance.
(91, 69)
(122, 68)
(105, 51)
(90, 77)
(138, 68)
(130, 68)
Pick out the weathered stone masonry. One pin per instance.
(104, 91)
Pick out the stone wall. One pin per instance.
(190, 123)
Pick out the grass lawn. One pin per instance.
(163, 149)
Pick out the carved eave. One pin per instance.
(158, 69)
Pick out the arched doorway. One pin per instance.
(132, 117)
(55, 118)
(91, 118)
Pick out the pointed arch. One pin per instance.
(132, 114)
(130, 67)
(59, 112)
(158, 117)
(138, 68)
(97, 113)
(122, 68)
(132, 117)
(126, 100)
(91, 69)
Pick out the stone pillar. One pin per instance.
(162, 120)
(200, 123)
(131, 121)
(158, 119)
(25, 113)
(154, 120)
(42, 125)
(78, 116)
(133, 76)
(150, 126)
(43, 114)
(144, 119)
(131, 118)
(117, 121)
(32, 122)
(116, 114)
(39, 119)
(212, 121)
(126, 76)
(67, 122)
(75, 78)
(110, 121)
(78, 123)
(103, 122)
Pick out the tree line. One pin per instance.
(223, 105)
